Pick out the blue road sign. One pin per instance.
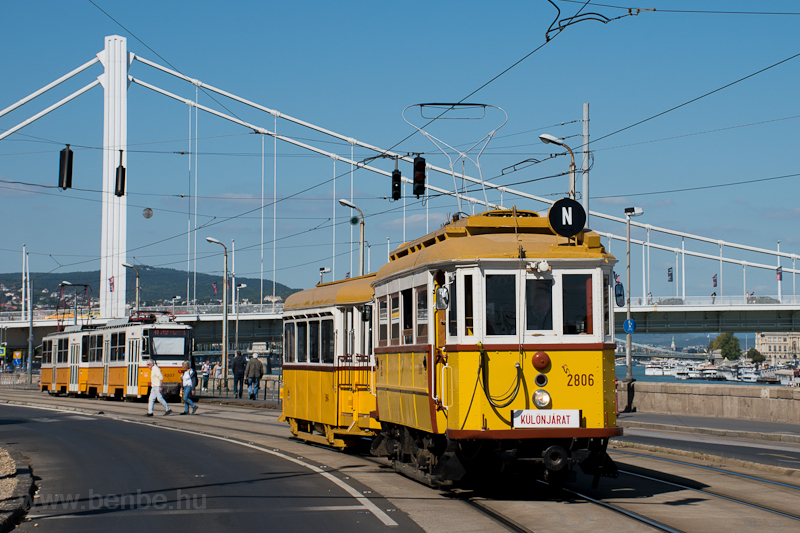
(629, 326)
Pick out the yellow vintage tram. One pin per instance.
(111, 360)
(484, 346)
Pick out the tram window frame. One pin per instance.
(47, 352)
(573, 322)
(421, 314)
(469, 304)
(452, 309)
(607, 288)
(530, 306)
(288, 342)
(407, 315)
(85, 349)
(96, 348)
(313, 341)
(302, 342)
(327, 341)
(493, 292)
(383, 321)
(394, 321)
(62, 354)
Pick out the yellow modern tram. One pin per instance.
(483, 347)
(111, 360)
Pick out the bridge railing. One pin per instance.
(83, 315)
(715, 301)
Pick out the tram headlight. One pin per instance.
(541, 398)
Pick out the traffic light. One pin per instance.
(419, 177)
(65, 169)
(397, 185)
(119, 190)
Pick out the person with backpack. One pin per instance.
(189, 383)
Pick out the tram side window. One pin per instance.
(408, 316)
(607, 305)
(422, 315)
(302, 342)
(117, 346)
(85, 349)
(395, 318)
(539, 304)
(63, 351)
(47, 352)
(313, 341)
(383, 320)
(501, 304)
(288, 343)
(95, 348)
(577, 304)
(327, 341)
(469, 318)
(452, 310)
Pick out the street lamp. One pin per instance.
(126, 265)
(239, 286)
(323, 270)
(345, 203)
(629, 212)
(173, 304)
(550, 139)
(224, 311)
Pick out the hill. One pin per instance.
(156, 285)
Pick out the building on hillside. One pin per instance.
(778, 347)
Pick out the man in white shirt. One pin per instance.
(156, 379)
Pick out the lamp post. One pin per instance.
(345, 203)
(629, 212)
(239, 286)
(224, 312)
(550, 139)
(173, 304)
(323, 270)
(126, 265)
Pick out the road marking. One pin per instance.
(365, 502)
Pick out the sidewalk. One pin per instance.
(241, 402)
(720, 427)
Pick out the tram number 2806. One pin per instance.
(580, 380)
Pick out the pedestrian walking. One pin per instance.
(206, 371)
(188, 389)
(218, 375)
(156, 379)
(237, 367)
(253, 372)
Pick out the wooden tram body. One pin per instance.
(111, 360)
(517, 371)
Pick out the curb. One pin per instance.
(752, 435)
(788, 472)
(52, 407)
(19, 502)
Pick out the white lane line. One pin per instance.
(365, 502)
(168, 511)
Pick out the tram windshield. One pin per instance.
(169, 344)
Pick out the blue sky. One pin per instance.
(352, 68)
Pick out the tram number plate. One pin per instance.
(550, 418)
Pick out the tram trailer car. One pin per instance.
(484, 347)
(111, 360)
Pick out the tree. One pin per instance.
(728, 345)
(755, 355)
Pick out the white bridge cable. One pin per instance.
(693, 254)
(502, 189)
(263, 131)
(39, 115)
(49, 86)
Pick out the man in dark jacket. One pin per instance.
(253, 373)
(237, 367)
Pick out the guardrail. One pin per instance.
(19, 381)
(68, 316)
(269, 388)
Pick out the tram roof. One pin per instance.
(346, 291)
(494, 234)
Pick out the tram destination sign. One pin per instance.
(546, 418)
(567, 217)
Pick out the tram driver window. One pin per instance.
(539, 304)
(302, 342)
(288, 342)
(422, 314)
(501, 304)
(578, 314)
